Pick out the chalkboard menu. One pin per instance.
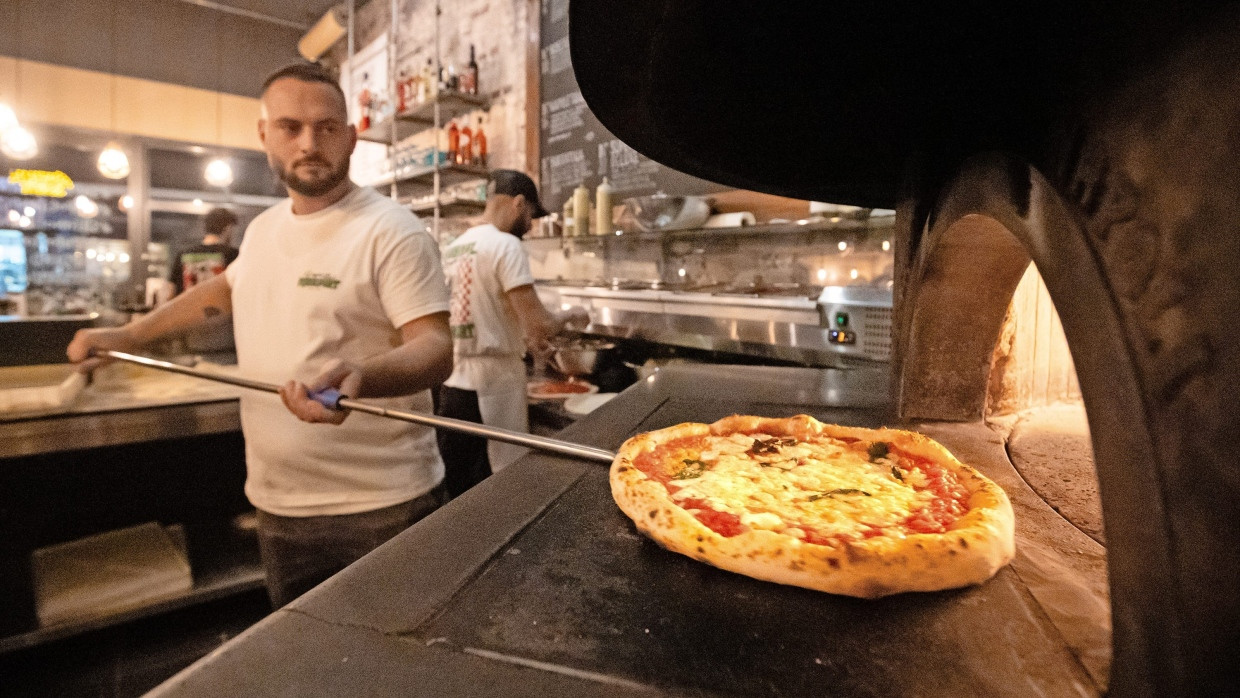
(574, 146)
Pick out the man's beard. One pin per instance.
(520, 227)
(315, 187)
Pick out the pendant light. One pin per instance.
(86, 206)
(218, 173)
(15, 141)
(113, 163)
(8, 117)
(18, 143)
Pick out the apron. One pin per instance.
(500, 384)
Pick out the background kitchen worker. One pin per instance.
(496, 317)
(203, 261)
(209, 258)
(336, 286)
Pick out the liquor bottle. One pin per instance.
(454, 142)
(402, 92)
(430, 86)
(415, 88)
(466, 153)
(453, 82)
(470, 79)
(480, 145)
(363, 101)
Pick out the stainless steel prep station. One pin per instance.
(835, 326)
(534, 583)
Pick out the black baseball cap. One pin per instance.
(513, 182)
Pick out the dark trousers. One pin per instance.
(299, 553)
(464, 457)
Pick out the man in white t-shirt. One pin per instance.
(496, 317)
(335, 287)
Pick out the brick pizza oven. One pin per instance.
(1098, 141)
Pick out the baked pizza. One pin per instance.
(860, 512)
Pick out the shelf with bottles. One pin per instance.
(452, 104)
(423, 175)
(411, 100)
(380, 131)
(420, 117)
(459, 200)
(448, 206)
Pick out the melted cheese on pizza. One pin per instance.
(788, 486)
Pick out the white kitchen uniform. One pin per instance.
(337, 283)
(481, 266)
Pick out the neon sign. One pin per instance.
(41, 182)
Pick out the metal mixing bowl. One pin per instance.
(579, 357)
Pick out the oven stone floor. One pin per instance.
(1050, 448)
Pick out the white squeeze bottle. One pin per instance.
(581, 210)
(602, 206)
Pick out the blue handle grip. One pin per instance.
(327, 397)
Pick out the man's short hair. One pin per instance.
(217, 220)
(306, 72)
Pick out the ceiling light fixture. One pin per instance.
(86, 207)
(8, 117)
(18, 143)
(113, 163)
(218, 173)
(15, 141)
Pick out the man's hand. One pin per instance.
(345, 377)
(87, 340)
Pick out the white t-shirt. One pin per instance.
(481, 266)
(337, 283)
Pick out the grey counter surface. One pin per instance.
(534, 583)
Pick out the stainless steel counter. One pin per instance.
(123, 404)
(841, 327)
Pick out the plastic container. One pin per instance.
(581, 211)
(602, 208)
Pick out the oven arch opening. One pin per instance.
(997, 213)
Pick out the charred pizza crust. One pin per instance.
(969, 552)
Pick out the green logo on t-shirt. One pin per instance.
(457, 250)
(324, 280)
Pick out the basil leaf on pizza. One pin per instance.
(860, 512)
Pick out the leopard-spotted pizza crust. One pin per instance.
(974, 549)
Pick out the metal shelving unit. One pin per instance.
(432, 114)
(424, 176)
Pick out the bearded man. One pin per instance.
(335, 287)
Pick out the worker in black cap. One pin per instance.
(496, 318)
